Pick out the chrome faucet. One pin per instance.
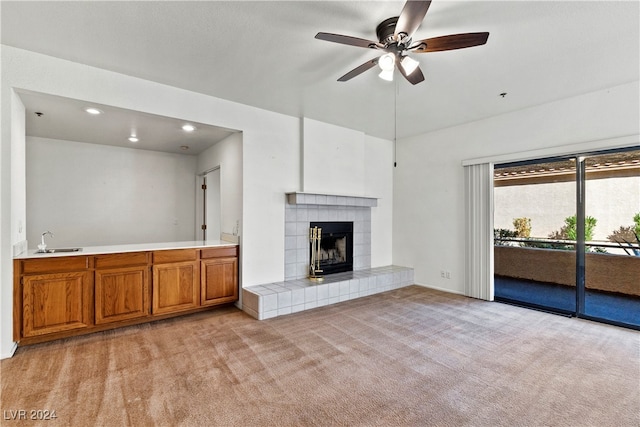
(43, 246)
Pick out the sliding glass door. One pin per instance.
(567, 235)
(612, 232)
(534, 254)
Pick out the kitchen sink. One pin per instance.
(58, 250)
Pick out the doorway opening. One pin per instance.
(209, 185)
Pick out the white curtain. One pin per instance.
(478, 189)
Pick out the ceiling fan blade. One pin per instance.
(359, 70)
(451, 42)
(411, 17)
(415, 77)
(348, 40)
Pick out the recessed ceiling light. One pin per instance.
(188, 128)
(93, 111)
(184, 147)
(133, 138)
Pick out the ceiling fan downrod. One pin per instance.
(387, 37)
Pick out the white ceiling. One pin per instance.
(66, 119)
(264, 53)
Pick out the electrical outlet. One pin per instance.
(448, 274)
(442, 274)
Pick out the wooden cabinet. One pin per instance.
(219, 281)
(121, 287)
(219, 275)
(176, 281)
(61, 296)
(56, 302)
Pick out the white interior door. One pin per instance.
(212, 206)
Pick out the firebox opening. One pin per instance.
(333, 250)
(336, 246)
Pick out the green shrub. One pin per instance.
(569, 230)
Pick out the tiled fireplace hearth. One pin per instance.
(291, 296)
(297, 292)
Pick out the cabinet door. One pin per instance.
(56, 302)
(219, 281)
(121, 294)
(176, 287)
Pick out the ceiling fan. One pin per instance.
(395, 38)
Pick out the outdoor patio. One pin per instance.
(616, 307)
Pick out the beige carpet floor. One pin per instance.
(409, 357)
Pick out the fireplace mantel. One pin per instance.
(299, 198)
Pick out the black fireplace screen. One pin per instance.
(336, 246)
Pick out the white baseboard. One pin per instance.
(10, 353)
(440, 289)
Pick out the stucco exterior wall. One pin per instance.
(604, 272)
(612, 201)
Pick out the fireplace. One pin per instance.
(336, 246)
(304, 208)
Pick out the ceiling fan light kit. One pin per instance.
(386, 62)
(409, 64)
(395, 38)
(386, 75)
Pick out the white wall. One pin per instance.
(226, 154)
(94, 195)
(343, 161)
(271, 167)
(333, 159)
(378, 179)
(18, 178)
(428, 214)
(12, 205)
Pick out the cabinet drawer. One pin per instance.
(174, 255)
(121, 260)
(54, 265)
(230, 251)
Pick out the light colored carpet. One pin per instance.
(409, 357)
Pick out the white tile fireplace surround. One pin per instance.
(296, 292)
(304, 208)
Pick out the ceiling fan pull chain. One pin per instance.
(395, 124)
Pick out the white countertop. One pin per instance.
(136, 247)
